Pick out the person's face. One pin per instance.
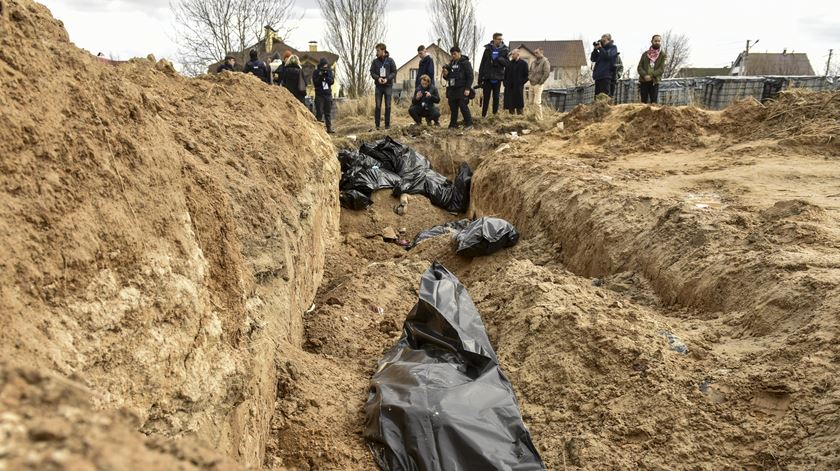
(515, 55)
(538, 53)
(380, 53)
(231, 62)
(498, 41)
(605, 40)
(422, 53)
(657, 41)
(425, 83)
(456, 56)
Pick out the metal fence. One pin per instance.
(713, 93)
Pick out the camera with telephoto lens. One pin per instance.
(596, 43)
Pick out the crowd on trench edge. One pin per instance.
(499, 66)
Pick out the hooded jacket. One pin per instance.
(390, 70)
(605, 61)
(427, 67)
(459, 78)
(656, 71)
(539, 71)
(323, 79)
(493, 69)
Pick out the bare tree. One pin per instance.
(354, 27)
(454, 22)
(207, 30)
(678, 50)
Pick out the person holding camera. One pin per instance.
(491, 72)
(424, 103)
(323, 80)
(383, 70)
(459, 76)
(651, 68)
(605, 57)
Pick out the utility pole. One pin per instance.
(746, 56)
(828, 64)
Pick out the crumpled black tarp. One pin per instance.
(354, 200)
(389, 164)
(456, 226)
(486, 236)
(439, 400)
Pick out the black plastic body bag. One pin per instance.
(439, 400)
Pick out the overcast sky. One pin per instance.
(718, 29)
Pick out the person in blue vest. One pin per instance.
(383, 70)
(605, 57)
(426, 67)
(491, 72)
(257, 67)
(323, 79)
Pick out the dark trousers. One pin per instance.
(491, 88)
(323, 108)
(417, 113)
(649, 92)
(603, 86)
(386, 92)
(460, 102)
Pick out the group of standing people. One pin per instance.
(289, 75)
(607, 68)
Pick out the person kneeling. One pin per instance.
(424, 103)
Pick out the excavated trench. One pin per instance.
(623, 345)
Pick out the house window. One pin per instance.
(413, 74)
(558, 73)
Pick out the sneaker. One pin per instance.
(387, 127)
(468, 127)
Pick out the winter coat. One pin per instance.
(460, 77)
(323, 80)
(427, 67)
(491, 69)
(516, 76)
(390, 71)
(605, 61)
(225, 67)
(260, 69)
(655, 71)
(293, 79)
(539, 71)
(428, 101)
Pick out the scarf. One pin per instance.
(653, 54)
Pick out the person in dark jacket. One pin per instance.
(229, 65)
(424, 102)
(651, 68)
(293, 79)
(322, 80)
(459, 75)
(257, 67)
(491, 72)
(604, 56)
(426, 67)
(516, 76)
(383, 70)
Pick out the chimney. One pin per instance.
(270, 33)
(313, 46)
(784, 52)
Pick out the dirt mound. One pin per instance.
(797, 117)
(160, 234)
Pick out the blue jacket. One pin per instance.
(605, 61)
(427, 67)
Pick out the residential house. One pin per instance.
(694, 72)
(273, 45)
(784, 63)
(407, 73)
(568, 60)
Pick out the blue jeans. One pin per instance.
(387, 92)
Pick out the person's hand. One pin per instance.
(467, 92)
(648, 78)
(419, 95)
(428, 94)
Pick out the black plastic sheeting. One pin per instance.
(439, 400)
(387, 164)
(439, 231)
(486, 236)
(354, 200)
